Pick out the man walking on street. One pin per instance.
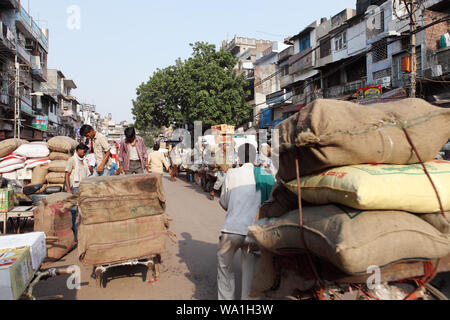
(243, 192)
(156, 161)
(132, 153)
(100, 147)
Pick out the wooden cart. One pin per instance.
(406, 278)
(150, 262)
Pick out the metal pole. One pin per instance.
(413, 27)
(16, 100)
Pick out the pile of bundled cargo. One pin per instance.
(53, 217)
(62, 149)
(39, 165)
(122, 218)
(366, 198)
(18, 158)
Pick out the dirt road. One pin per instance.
(189, 268)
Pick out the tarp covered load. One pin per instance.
(380, 187)
(353, 240)
(122, 240)
(53, 217)
(122, 218)
(109, 199)
(331, 133)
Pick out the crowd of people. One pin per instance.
(243, 176)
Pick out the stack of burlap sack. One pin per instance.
(122, 218)
(18, 158)
(367, 201)
(53, 175)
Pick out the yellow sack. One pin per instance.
(380, 187)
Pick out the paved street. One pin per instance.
(189, 267)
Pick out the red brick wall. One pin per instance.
(434, 33)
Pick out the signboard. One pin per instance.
(40, 123)
(369, 92)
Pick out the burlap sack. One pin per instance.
(121, 240)
(56, 178)
(108, 199)
(40, 175)
(281, 202)
(62, 144)
(53, 217)
(57, 166)
(9, 146)
(59, 156)
(380, 187)
(353, 240)
(332, 133)
(438, 221)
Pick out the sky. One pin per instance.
(110, 47)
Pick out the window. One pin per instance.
(340, 42)
(305, 42)
(325, 47)
(380, 51)
(382, 73)
(285, 70)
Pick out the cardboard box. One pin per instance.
(24, 174)
(16, 272)
(6, 200)
(35, 240)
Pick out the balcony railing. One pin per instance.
(286, 80)
(299, 99)
(24, 18)
(443, 59)
(25, 55)
(301, 61)
(286, 54)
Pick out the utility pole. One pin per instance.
(412, 7)
(16, 100)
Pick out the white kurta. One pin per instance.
(240, 199)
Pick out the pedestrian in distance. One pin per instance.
(175, 161)
(132, 153)
(244, 190)
(156, 161)
(225, 159)
(100, 147)
(76, 171)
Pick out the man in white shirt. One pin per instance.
(242, 200)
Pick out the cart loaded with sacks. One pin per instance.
(123, 223)
(361, 208)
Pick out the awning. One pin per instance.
(293, 108)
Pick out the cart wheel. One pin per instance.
(99, 278)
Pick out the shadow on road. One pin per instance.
(201, 260)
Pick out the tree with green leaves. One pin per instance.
(204, 88)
